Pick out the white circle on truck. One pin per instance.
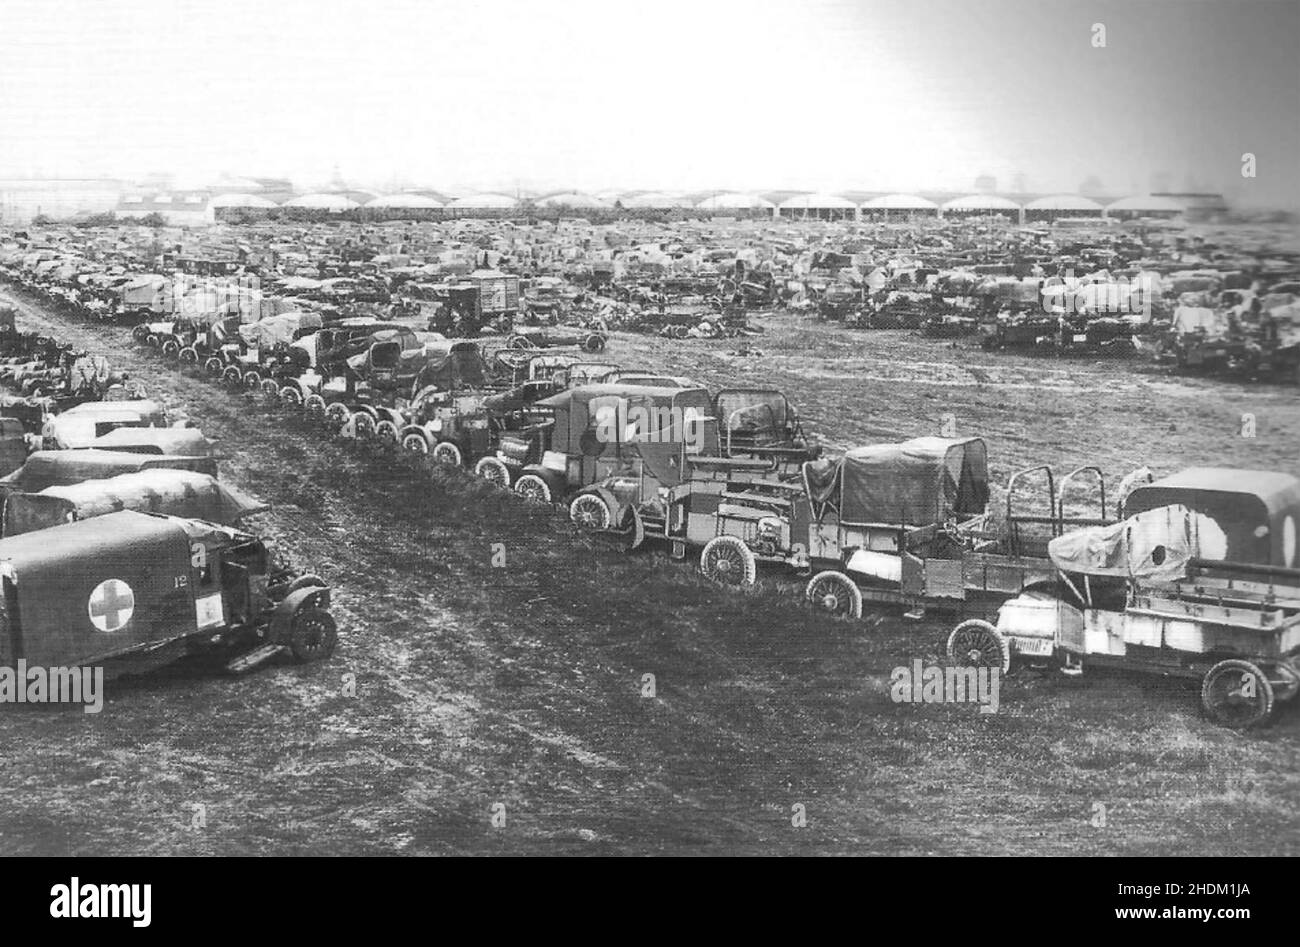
(111, 605)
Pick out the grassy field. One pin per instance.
(478, 687)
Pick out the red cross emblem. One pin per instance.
(111, 605)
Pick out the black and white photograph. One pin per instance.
(767, 428)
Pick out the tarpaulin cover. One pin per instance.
(916, 483)
(1189, 319)
(50, 468)
(278, 330)
(180, 441)
(1155, 544)
(173, 492)
(460, 365)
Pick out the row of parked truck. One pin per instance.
(1193, 574)
(119, 545)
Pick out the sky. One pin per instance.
(680, 95)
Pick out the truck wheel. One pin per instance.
(214, 366)
(188, 355)
(445, 452)
(836, 593)
(171, 348)
(312, 635)
(1236, 694)
(231, 375)
(976, 643)
(252, 380)
(494, 470)
(363, 424)
(416, 443)
(593, 343)
(386, 431)
(337, 414)
(534, 489)
(728, 561)
(291, 395)
(270, 388)
(520, 342)
(314, 405)
(139, 334)
(590, 513)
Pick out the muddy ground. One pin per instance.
(478, 687)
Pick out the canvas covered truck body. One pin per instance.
(877, 516)
(82, 425)
(624, 442)
(1177, 588)
(52, 468)
(132, 590)
(158, 490)
(177, 441)
(1259, 511)
(892, 523)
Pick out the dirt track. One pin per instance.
(521, 686)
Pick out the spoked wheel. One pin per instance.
(728, 561)
(416, 443)
(152, 340)
(314, 405)
(386, 433)
(593, 343)
(445, 452)
(214, 366)
(270, 388)
(1237, 694)
(312, 635)
(171, 348)
(139, 334)
(188, 356)
(337, 414)
(520, 342)
(291, 395)
(835, 593)
(363, 424)
(494, 470)
(231, 375)
(976, 643)
(252, 380)
(590, 512)
(534, 489)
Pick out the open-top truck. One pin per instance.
(1198, 581)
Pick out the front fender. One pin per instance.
(559, 486)
(620, 510)
(282, 617)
